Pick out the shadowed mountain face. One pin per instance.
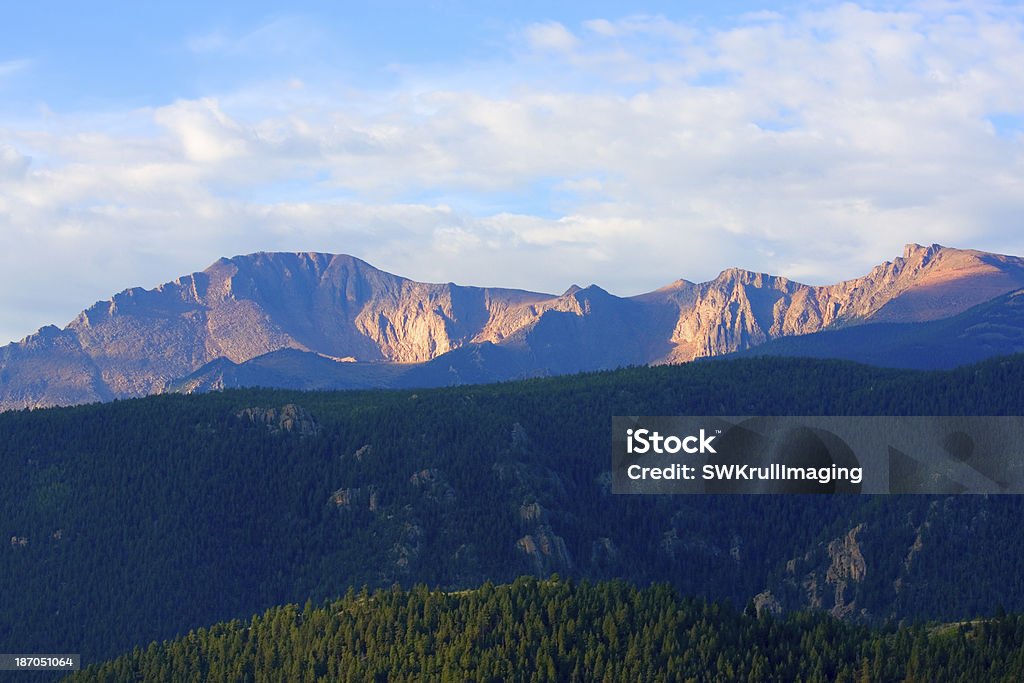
(993, 328)
(348, 324)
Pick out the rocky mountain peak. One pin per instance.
(917, 252)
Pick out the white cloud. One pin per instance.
(626, 151)
(602, 27)
(13, 164)
(204, 131)
(550, 35)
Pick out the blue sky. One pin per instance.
(517, 144)
(131, 53)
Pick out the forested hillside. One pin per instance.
(139, 520)
(553, 631)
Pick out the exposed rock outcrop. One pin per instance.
(766, 603)
(289, 418)
(434, 485)
(847, 566)
(363, 497)
(826, 577)
(546, 551)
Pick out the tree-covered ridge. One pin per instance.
(138, 520)
(554, 630)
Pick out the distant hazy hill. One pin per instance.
(344, 324)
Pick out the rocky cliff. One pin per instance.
(740, 309)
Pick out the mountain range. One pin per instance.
(323, 321)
